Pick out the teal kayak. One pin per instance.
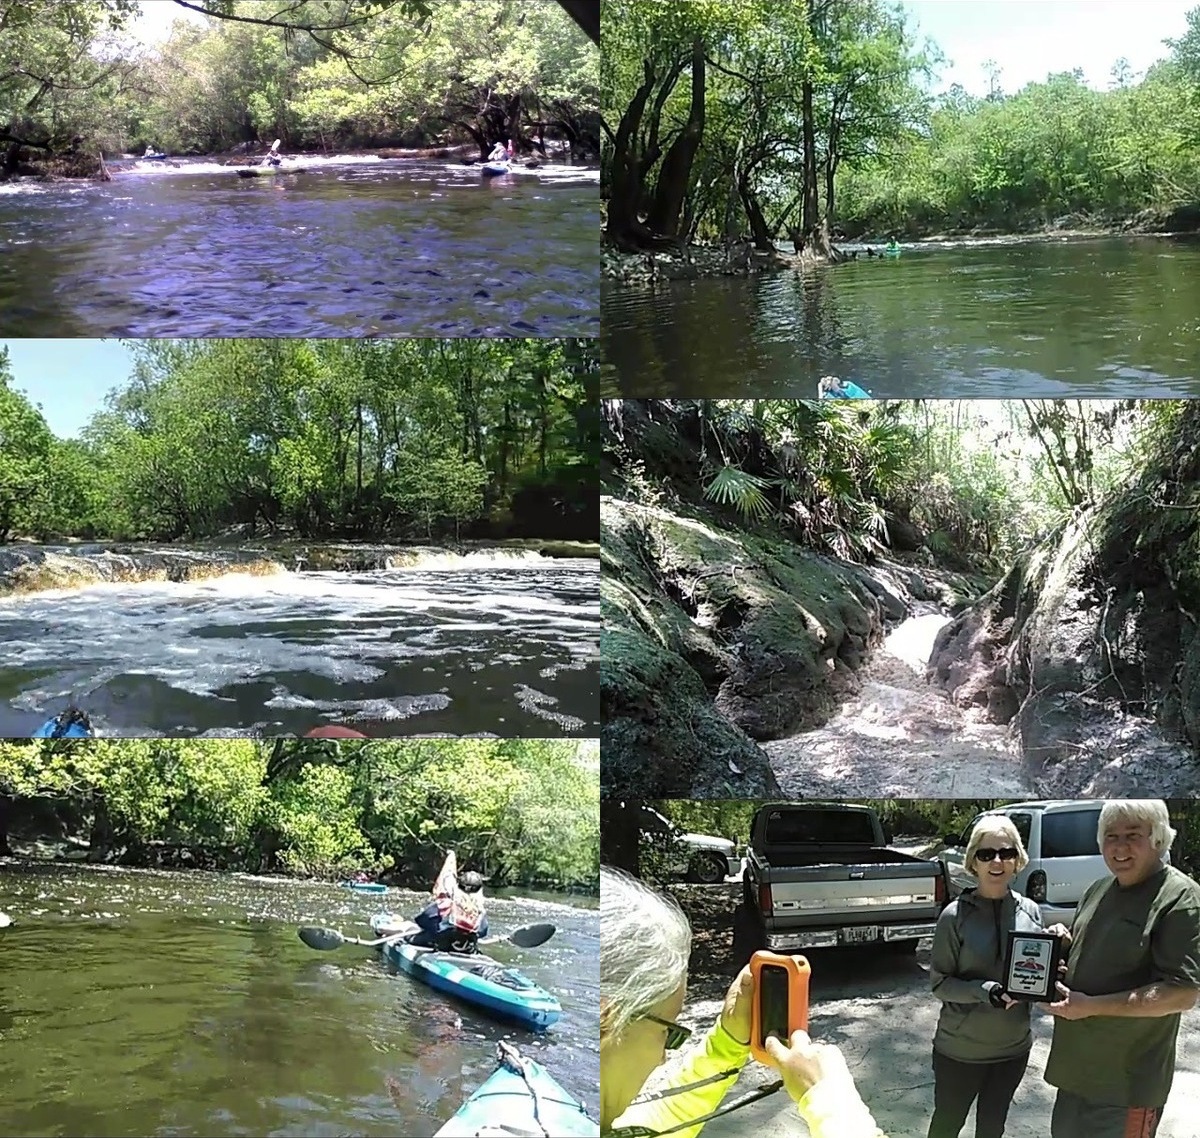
(832, 388)
(69, 724)
(499, 989)
(365, 886)
(494, 169)
(519, 1097)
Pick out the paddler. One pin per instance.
(456, 917)
(500, 153)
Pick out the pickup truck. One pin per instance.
(820, 875)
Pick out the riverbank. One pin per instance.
(30, 567)
(92, 166)
(695, 261)
(1151, 222)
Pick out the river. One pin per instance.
(1054, 319)
(482, 645)
(137, 1002)
(357, 246)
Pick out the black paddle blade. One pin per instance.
(321, 939)
(530, 936)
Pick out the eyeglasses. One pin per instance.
(677, 1034)
(1006, 854)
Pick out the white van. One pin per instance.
(1064, 855)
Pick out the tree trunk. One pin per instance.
(619, 836)
(676, 175)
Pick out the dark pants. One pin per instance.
(956, 1085)
(435, 934)
(1076, 1117)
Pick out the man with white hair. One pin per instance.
(1133, 969)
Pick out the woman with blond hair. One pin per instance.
(645, 945)
(981, 1047)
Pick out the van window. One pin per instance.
(1070, 834)
(1023, 823)
(818, 827)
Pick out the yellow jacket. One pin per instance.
(831, 1109)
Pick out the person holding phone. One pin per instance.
(982, 1043)
(1133, 969)
(644, 950)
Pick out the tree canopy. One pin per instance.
(370, 439)
(319, 74)
(744, 118)
(522, 811)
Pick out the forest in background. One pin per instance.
(365, 439)
(975, 483)
(728, 119)
(318, 74)
(524, 812)
(908, 818)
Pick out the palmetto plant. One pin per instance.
(735, 487)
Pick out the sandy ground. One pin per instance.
(878, 1009)
(901, 738)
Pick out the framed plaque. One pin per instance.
(1031, 966)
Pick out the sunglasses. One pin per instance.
(1006, 854)
(677, 1034)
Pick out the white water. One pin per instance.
(899, 737)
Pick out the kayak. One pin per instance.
(892, 251)
(153, 157)
(267, 171)
(365, 886)
(494, 168)
(519, 1097)
(70, 724)
(475, 978)
(847, 389)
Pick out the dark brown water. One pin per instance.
(147, 1003)
(488, 643)
(393, 248)
(1060, 319)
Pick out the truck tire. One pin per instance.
(748, 935)
(708, 868)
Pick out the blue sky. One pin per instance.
(68, 378)
(1029, 39)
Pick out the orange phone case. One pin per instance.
(798, 973)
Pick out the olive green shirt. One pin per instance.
(1124, 939)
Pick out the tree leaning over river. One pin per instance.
(526, 812)
(322, 74)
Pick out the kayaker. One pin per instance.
(643, 979)
(334, 732)
(499, 153)
(456, 917)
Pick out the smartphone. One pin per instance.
(780, 999)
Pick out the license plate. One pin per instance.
(861, 935)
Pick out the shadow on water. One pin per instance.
(1060, 319)
(388, 248)
(139, 1002)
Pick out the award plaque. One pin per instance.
(1031, 966)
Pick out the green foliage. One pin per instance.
(368, 439)
(319, 74)
(977, 482)
(524, 812)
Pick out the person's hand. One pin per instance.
(1060, 930)
(1069, 1005)
(803, 1064)
(739, 1002)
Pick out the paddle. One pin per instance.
(323, 939)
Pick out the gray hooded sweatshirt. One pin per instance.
(968, 951)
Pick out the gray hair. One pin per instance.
(1150, 812)
(645, 942)
(994, 824)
